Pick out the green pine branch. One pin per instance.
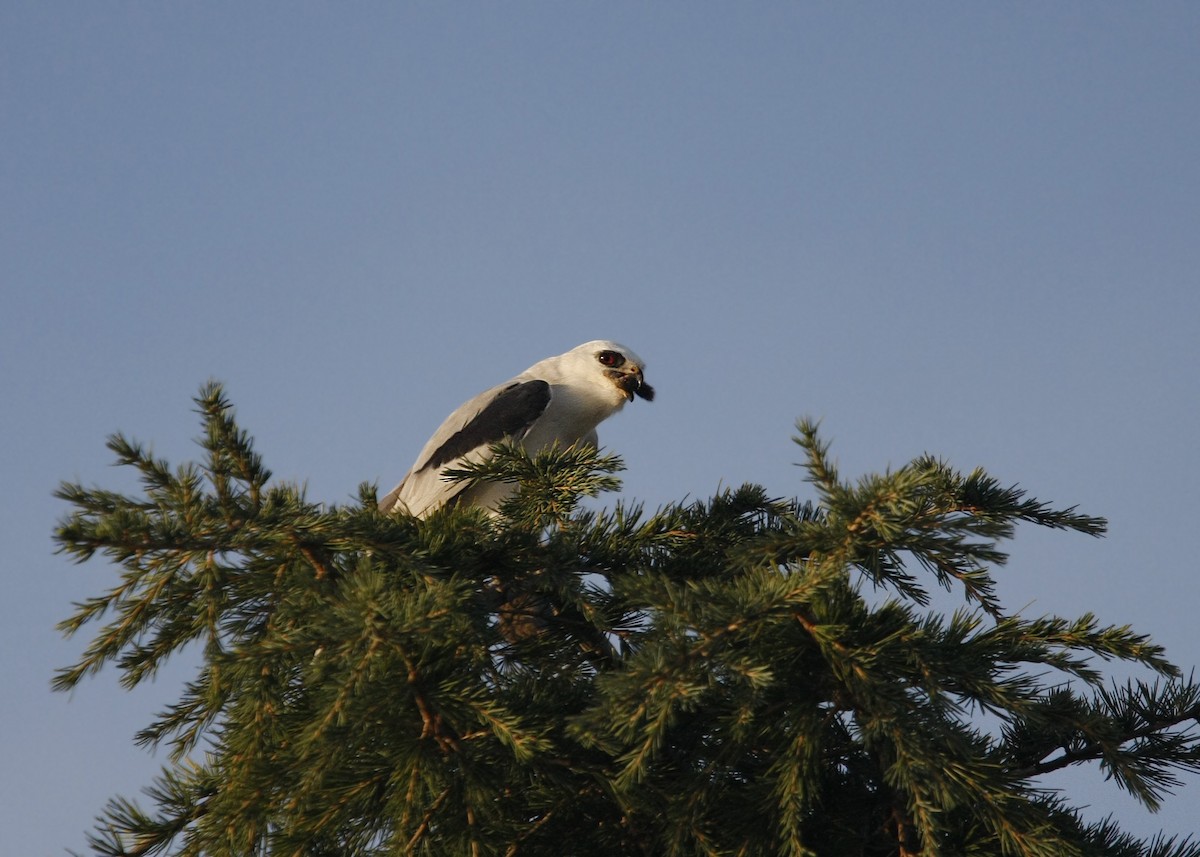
(706, 678)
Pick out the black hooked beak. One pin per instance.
(631, 384)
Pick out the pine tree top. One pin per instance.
(710, 678)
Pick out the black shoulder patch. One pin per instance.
(510, 413)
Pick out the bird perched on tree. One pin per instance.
(557, 400)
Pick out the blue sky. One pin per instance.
(965, 229)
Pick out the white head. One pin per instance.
(609, 364)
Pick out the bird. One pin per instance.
(559, 400)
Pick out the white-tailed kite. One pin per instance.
(557, 400)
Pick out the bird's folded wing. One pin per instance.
(507, 410)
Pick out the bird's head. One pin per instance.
(617, 365)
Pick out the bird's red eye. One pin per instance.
(610, 358)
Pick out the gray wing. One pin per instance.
(504, 411)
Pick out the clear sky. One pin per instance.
(968, 229)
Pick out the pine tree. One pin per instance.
(741, 676)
